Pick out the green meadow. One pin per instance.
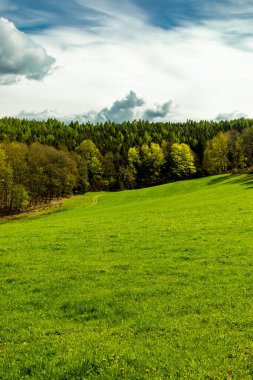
(144, 284)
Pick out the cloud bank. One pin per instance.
(20, 56)
(129, 108)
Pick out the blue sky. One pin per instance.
(166, 14)
(99, 59)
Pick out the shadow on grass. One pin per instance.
(245, 179)
(219, 179)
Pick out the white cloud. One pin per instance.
(20, 56)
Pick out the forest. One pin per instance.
(44, 160)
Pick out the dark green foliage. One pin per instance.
(112, 137)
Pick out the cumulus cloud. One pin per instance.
(160, 111)
(230, 116)
(127, 109)
(20, 56)
(121, 110)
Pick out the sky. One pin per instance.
(98, 60)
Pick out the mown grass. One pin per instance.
(144, 284)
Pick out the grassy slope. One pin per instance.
(145, 284)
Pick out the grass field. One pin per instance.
(144, 284)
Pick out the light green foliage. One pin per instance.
(144, 284)
(183, 160)
(216, 154)
(153, 159)
(134, 159)
(147, 160)
(154, 156)
(88, 150)
(95, 166)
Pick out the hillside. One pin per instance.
(113, 157)
(143, 284)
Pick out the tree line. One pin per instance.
(40, 161)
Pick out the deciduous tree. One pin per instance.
(182, 160)
(216, 154)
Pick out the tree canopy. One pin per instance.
(43, 160)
